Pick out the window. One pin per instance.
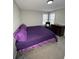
(51, 18)
(45, 18)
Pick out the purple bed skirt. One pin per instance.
(38, 45)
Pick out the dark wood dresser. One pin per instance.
(57, 29)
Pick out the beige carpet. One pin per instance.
(48, 51)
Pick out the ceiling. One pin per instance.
(40, 5)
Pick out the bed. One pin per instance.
(36, 35)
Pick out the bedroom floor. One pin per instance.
(49, 51)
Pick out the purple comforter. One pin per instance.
(35, 35)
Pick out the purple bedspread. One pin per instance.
(35, 35)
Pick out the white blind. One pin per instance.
(51, 18)
(45, 18)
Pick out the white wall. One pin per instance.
(60, 17)
(31, 18)
(16, 23)
(16, 16)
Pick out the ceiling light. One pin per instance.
(50, 1)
